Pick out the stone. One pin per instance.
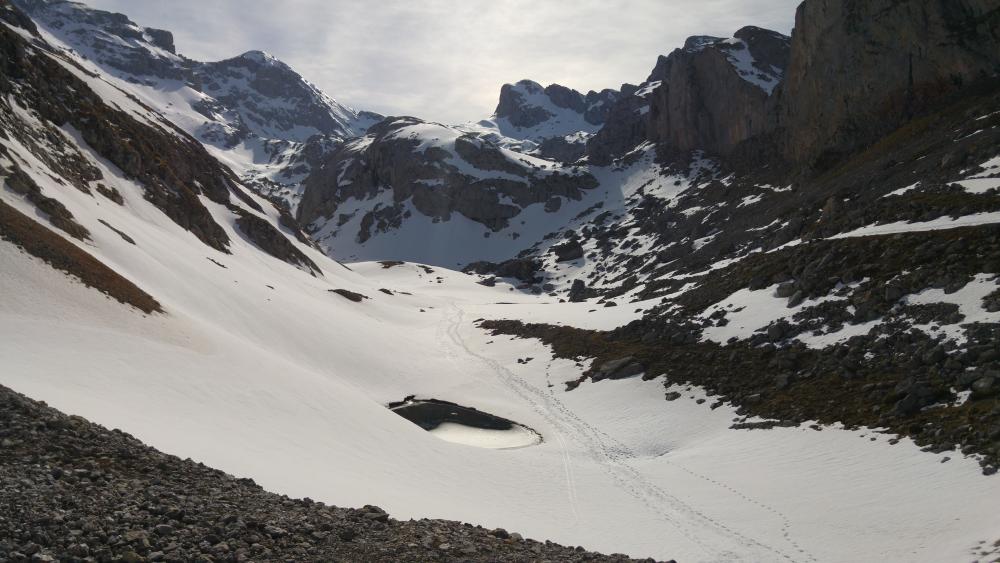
(796, 299)
(578, 291)
(618, 369)
(984, 387)
(782, 381)
(785, 290)
(893, 293)
(568, 251)
(776, 332)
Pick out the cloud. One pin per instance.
(446, 59)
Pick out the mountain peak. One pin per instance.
(526, 110)
(260, 57)
(530, 86)
(697, 43)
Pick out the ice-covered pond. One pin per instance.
(465, 425)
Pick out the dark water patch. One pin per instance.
(431, 413)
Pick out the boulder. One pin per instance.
(983, 387)
(568, 251)
(578, 292)
(785, 290)
(618, 369)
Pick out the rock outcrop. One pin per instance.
(554, 115)
(438, 170)
(710, 95)
(714, 92)
(269, 239)
(526, 104)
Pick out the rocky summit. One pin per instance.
(743, 307)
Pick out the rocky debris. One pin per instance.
(71, 490)
(907, 384)
(111, 193)
(985, 386)
(19, 229)
(350, 295)
(120, 233)
(522, 269)
(763, 425)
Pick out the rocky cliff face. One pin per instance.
(859, 69)
(710, 95)
(851, 73)
(714, 92)
(626, 126)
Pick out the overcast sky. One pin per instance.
(445, 60)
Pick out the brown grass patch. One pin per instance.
(63, 255)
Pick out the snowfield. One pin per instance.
(288, 386)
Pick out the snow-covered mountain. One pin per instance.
(818, 306)
(261, 117)
(434, 193)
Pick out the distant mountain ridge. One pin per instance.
(253, 101)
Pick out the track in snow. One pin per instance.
(716, 539)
